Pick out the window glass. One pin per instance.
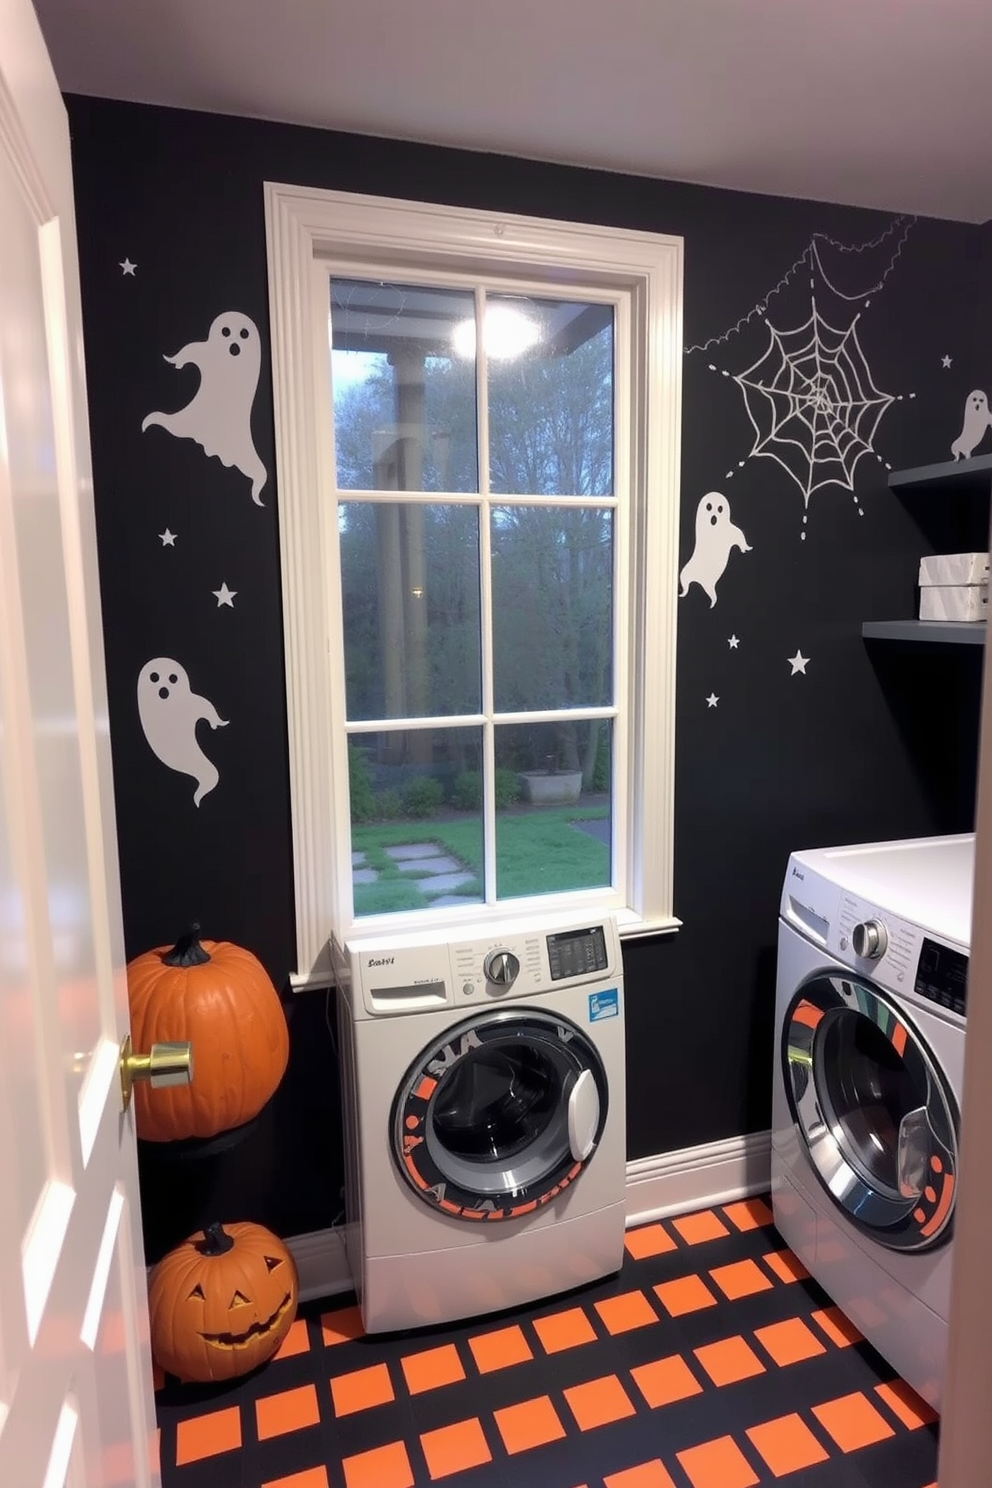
(550, 384)
(554, 832)
(416, 819)
(404, 396)
(552, 585)
(410, 593)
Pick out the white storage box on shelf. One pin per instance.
(954, 586)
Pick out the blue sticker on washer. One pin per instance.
(604, 1005)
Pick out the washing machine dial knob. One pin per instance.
(870, 940)
(501, 968)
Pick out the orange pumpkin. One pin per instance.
(219, 997)
(222, 1302)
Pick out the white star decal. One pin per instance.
(128, 268)
(224, 596)
(168, 538)
(945, 361)
(733, 642)
(798, 663)
(712, 700)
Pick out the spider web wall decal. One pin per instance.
(811, 398)
(813, 403)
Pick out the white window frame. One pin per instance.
(306, 227)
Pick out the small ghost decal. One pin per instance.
(715, 536)
(169, 713)
(977, 418)
(218, 417)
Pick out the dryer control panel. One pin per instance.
(874, 941)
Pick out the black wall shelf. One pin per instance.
(956, 477)
(960, 632)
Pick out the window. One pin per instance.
(477, 423)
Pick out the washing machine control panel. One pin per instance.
(512, 958)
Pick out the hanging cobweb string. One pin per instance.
(806, 259)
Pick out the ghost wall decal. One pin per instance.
(977, 418)
(218, 417)
(715, 536)
(169, 713)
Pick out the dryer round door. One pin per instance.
(500, 1114)
(878, 1118)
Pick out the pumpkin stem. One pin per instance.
(187, 950)
(216, 1241)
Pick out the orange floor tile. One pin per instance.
(688, 1294)
(629, 1310)
(786, 1445)
(381, 1467)
(694, 1229)
(665, 1381)
(432, 1368)
(532, 1423)
(786, 1266)
(728, 1361)
(361, 1389)
(646, 1475)
(740, 1279)
(852, 1421)
(290, 1410)
(208, 1435)
(718, 1464)
(500, 1349)
(839, 1329)
(789, 1341)
(598, 1402)
(564, 1330)
(651, 1240)
(456, 1448)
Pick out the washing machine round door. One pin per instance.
(878, 1118)
(500, 1114)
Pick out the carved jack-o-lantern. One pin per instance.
(222, 1302)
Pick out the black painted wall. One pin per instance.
(868, 742)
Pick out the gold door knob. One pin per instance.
(166, 1064)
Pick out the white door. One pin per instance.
(76, 1401)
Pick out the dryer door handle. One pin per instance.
(913, 1152)
(583, 1116)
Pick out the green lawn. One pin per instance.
(537, 852)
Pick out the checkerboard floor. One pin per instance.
(710, 1361)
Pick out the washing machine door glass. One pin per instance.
(500, 1114)
(874, 1109)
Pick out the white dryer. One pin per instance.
(483, 1085)
(868, 1072)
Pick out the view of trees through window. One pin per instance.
(444, 596)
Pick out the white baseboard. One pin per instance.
(671, 1183)
(696, 1177)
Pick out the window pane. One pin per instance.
(410, 586)
(416, 819)
(552, 590)
(557, 836)
(550, 378)
(404, 397)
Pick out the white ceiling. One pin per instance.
(882, 103)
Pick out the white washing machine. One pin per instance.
(483, 1082)
(868, 1073)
